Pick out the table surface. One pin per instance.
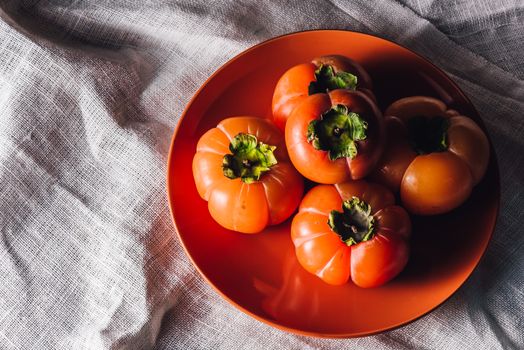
(90, 93)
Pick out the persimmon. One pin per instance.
(242, 169)
(322, 74)
(335, 136)
(351, 230)
(434, 156)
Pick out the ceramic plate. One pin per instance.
(259, 273)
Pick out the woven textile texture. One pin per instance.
(90, 93)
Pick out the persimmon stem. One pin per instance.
(428, 134)
(249, 159)
(355, 223)
(337, 132)
(326, 80)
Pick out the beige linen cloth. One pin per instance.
(90, 93)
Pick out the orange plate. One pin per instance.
(259, 273)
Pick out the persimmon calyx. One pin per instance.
(355, 223)
(249, 159)
(337, 132)
(428, 134)
(326, 80)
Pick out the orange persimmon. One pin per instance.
(336, 136)
(242, 169)
(367, 241)
(321, 75)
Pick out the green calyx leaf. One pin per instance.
(327, 80)
(355, 223)
(428, 134)
(249, 159)
(337, 132)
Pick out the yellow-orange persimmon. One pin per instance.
(434, 155)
